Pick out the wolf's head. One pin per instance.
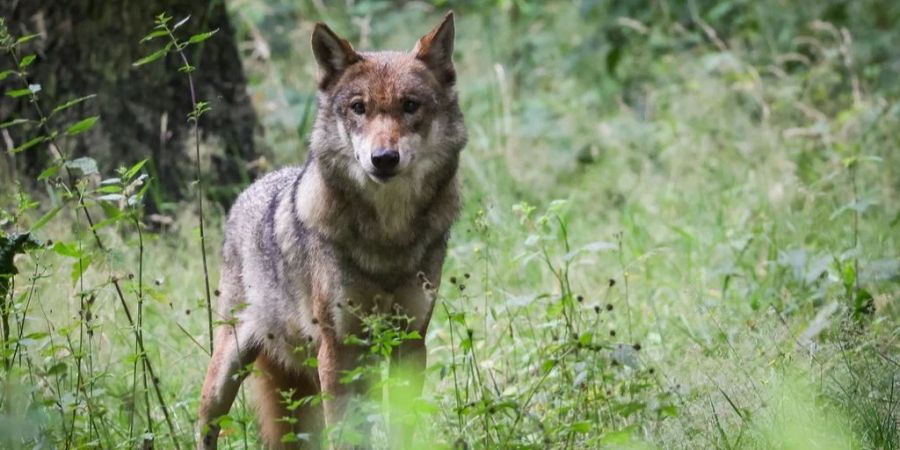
(387, 116)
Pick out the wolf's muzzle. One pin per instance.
(385, 162)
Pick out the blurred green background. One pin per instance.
(680, 225)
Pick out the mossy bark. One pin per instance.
(88, 47)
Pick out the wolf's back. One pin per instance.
(249, 211)
(249, 231)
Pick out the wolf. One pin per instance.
(362, 225)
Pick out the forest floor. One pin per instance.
(670, 239)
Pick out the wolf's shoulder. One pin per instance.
(263, 189)
(251, 206)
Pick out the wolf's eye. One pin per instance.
(358, 107)
(410, 106)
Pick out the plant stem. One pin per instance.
(91, 225)
(199, 181)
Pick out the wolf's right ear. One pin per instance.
(435, 49)
(333, 53)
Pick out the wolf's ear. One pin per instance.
(435, 49)
(333, 53)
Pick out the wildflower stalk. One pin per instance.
(198, 108)
(50, 137)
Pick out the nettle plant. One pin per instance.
(384, 405)
(165, 30)
(579, 375)
(69, 405)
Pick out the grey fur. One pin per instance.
(327, 224)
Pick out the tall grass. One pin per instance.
(680, 231)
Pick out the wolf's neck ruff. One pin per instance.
(385, 229)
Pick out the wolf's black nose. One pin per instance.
(385, 160)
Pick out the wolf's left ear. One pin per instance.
(333, 53)
(435, 49)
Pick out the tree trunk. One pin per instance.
(88, 47)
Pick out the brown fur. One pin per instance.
(302, 244)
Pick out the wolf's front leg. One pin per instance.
(407, 378)
(334, 358)
(408, 361)
(234, 350)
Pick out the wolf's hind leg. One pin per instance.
(271, 384)
(235, 348)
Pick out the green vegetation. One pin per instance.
(680, 231)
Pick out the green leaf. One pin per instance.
(71, 103)
(64, 249)
(82, 126)
(668, 411)
(79, 267)
(5, 73)
(162, 18)
(133, 170)
(36, 336)
(18, 93)
(29, 144)
(26, 38)
(111, 189)
(26, 61)
(412, 335)
(628, 408)
(44, 219)
(14, 122)
(581, 427)
(152, 57)
(48, 172)
(200, 37)
(586, 339)
(57, 369)
(154, 35)
(548, 365)
(617, 437)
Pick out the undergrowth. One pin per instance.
(680, 232)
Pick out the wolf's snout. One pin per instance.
(385, 161)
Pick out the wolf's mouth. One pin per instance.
(381, 177)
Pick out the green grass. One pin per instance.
(673, 237)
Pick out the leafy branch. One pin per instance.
(163, 30)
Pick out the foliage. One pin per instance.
(680, 231)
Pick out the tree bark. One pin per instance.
(88, 47)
